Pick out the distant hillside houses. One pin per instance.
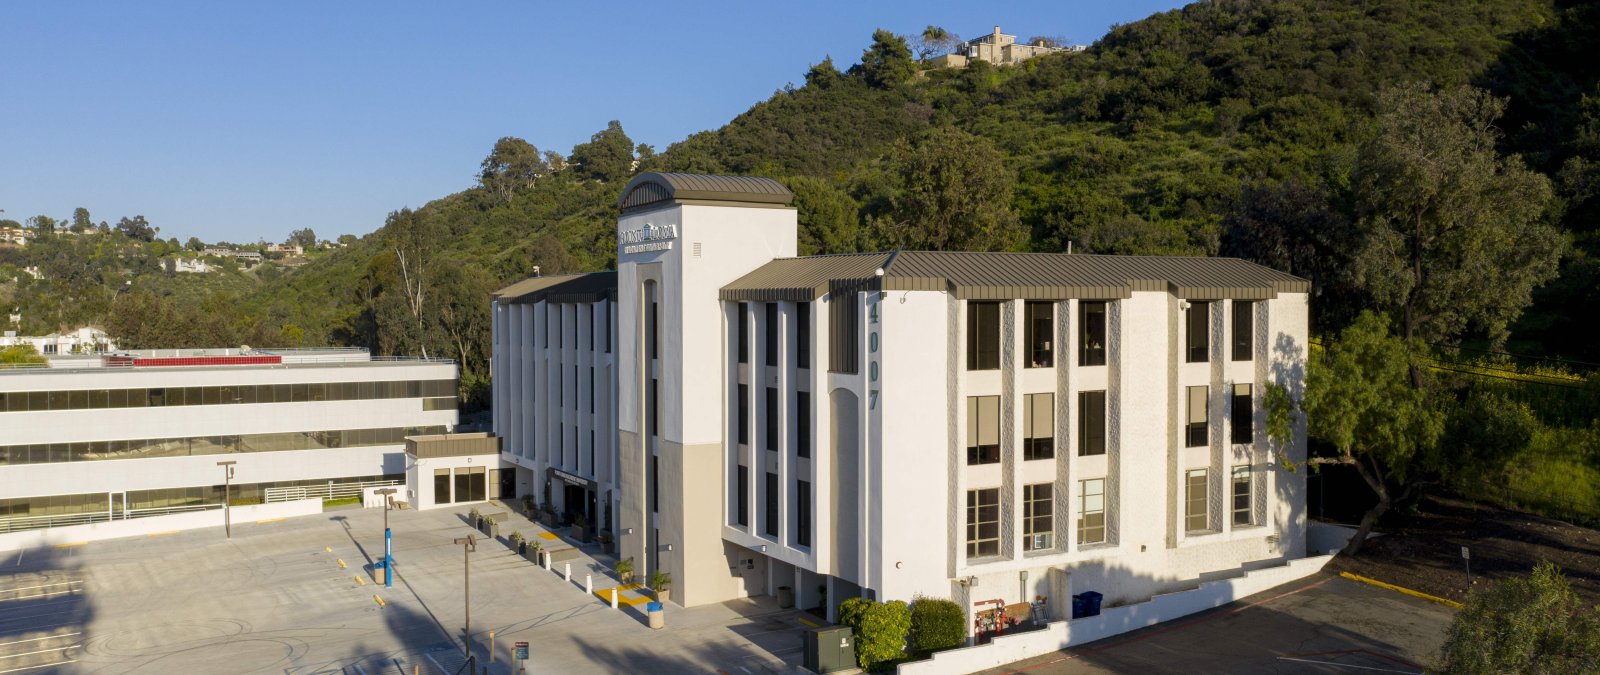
(15, 235)
(192, 266)
(291, 249)
(1000, 49)
(249, 257)
(85, 340)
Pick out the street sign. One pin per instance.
(522, 651)
(1466, 554)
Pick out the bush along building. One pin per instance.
(976, 426)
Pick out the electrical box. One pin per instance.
(830, 649)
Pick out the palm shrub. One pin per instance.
(1532, 625)
(624, 568)
(880, 630)
(937, 624)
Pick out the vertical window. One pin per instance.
(983, 429)
(1039, 326)
(802, 501)
(983, 335)
(1091, 423)
(1195, 417)
(608, 328)
(547, 324)
(743, 516)
(1196, 516)
(744, 333)
(588, 313)
(1244, 341)
(1092, 333)
(441, 486)
(744, 414)
(1243, 514)
(591, 390)
(772, 504)
(802, 422)
(655, 327)
(770, 424)
(655, 484)
(1092, 511)
(772, 334)
(1198, 332)
(1038, 522)
(983, 523)
(592, 470)
(1038, 426)
(653, 411)
(843, 351)
(1243, 415)
(802, 320)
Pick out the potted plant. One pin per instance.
(579, 528)
(476, 517)
(535, 552)
(518, 542)
(661, 583)
(527, 505)
(624, 568)
(490, 527)
(606, 543)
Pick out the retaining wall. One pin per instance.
(114, 529)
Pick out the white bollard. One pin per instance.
(566, 572)
(613, 597)
(588, 583)
(547, 562)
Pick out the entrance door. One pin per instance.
(572, 503)
(508, 483)
(494, 483)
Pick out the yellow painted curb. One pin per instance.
(76, 543)
(269, 520)
(547, 535)
(361, 581)
(808, 623)
(380, 601)
(1415, 594)
(341, 563)
(161, 534)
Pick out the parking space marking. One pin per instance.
(47, 665)
(1336, 664)
(39, 639)
(76, 543)
(42, 651)
(29, 588)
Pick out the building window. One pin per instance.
(1195, 422)
(772, 334)
(744, 333)
(1091, 423)
(655, 484)
(743, 516)
(772, 504)
(1243, 416)
(983, 335)
(655, 327)
(653, 411)
(744, 414)
(1039, 326)
(1243, 514)
(1038, 522)
(802, 422)
(983, 429)
(588, 320)
(591, 390)
(843, 324)
(1092, 511)
(771, 422)
(1092, 332)
(608, 328)
(441, 486)
(1244, 341)
(1197, 518)
(983, 523)
(1038, 426)
(802, 320)
(1198, 332)
(802, 500)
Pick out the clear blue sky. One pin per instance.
(234, 121)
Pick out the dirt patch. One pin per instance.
(1422, 549)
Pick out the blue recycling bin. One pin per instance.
(1091, 603)
(1077, 606)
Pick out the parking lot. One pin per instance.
(299, 596)
(1326, 624)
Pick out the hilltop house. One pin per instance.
(998, 48)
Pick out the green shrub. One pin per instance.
(880, 630)
(937, 624)
(1532, 625)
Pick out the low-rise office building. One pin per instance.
(984, 427)
(91, 438)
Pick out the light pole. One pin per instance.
(227, 482)
(468, 545)
(388, 538)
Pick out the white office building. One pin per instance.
(976, 426)
(86, 439)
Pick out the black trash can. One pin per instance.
(785, 597)
(1077, 606)
(1091, 603)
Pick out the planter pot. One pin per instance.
(664, 595)
(576, 532)
(608, 548)
(522, 548)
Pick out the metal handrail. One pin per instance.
(331, 359)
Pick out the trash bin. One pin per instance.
(829, 649)
(1077, 606)
(658, 618)
(785, 597)
(1091, 603)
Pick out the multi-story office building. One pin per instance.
(977, 426)
(137, 433)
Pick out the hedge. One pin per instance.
(880, 630)
(937, 624)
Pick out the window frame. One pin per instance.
(1084, 512)
(978, 452)
(1248, 511)
(1038, 443)
(982, 501)
(1197, 332)
(1032, 323)
(1242, 425)
(1244, 330)
(1038, 516)
(1200, 477)
(1196, 433)
(983, 341)
(1093, 326)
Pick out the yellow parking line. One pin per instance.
(547, 535)
(804, 621)
(269, 520)
(380, 601)
(1415, 594)
(76, 543)
(361, 581)
(161, 534)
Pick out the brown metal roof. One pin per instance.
(647, 189)
(584, 287)
(997, 276)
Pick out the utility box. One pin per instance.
(830, 649)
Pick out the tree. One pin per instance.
(1524, 625)
(513, 165)
(20, 354)
(935, 41)
(81, 222)
(1453, 234)
(823, 75)
(1359, 398)
(137, 229)
(887, 63)
(944, 190)
(608, 156)
(880, 629)
(194, 244)
(43, 226)
(347, 239)
(305, 238)
(829, 222)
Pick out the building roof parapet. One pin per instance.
(577, 288)
(652, 188)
